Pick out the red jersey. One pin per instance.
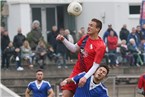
(94, 51)
(141, 82)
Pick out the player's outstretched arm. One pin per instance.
(27, 93)
(50, 93)
(88, 74)
(72, 47)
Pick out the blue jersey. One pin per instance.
(90, 89)
(39, 90)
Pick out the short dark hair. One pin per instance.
(98, 23)
(39, 70)
(106, 67)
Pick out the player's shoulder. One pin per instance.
(32, 82)
(46, 82)
(104, 87)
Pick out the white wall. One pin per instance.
(116, 13)
(13, 20)
(19, 16)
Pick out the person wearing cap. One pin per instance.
(34, 35)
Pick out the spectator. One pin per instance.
(81, 32)
(143, 31)
(134, 36)
(41, 53)
(61, 51)
(141, 85)
(127, 57)
(112, 41)
(26, 53)
(9, 52)
(18, 39)
(39, 87)
(142, 49)
(133, 49)
(70, 38)
(107, 32)
(124, 32)
(18, 42)
(139, 33)
(34, 35)
(4, 43)
(51, 37)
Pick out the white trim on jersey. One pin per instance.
(38, 85)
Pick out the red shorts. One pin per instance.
(72, 87)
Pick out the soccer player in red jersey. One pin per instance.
(141, 85)
(91, 52)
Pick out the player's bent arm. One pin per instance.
(72, 47)
(50, 93)
(92, 70)
(27, 93)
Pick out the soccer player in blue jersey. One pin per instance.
(93, 87)
(39, 87)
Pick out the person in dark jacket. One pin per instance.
(61, 51)
(4, 43)
(19, 39)
(124, 32)
(9, 52)
(18, 42)
(143, 31)
(51, 37)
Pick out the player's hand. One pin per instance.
(63, 83)
(60, 37)
(82, 82)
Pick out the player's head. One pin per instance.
(39, 75)
(94, 26)
(101, 72)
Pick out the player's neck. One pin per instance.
(96, 81)
(94, 36)
(39, 81)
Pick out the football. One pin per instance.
(74, 8)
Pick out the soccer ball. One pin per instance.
(74, 8)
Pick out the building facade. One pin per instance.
(54, 12)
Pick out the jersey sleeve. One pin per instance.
(100, 54)
(30, 86)
(140, 82)
(49, 86)
(78, 77)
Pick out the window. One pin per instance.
(134, 9)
